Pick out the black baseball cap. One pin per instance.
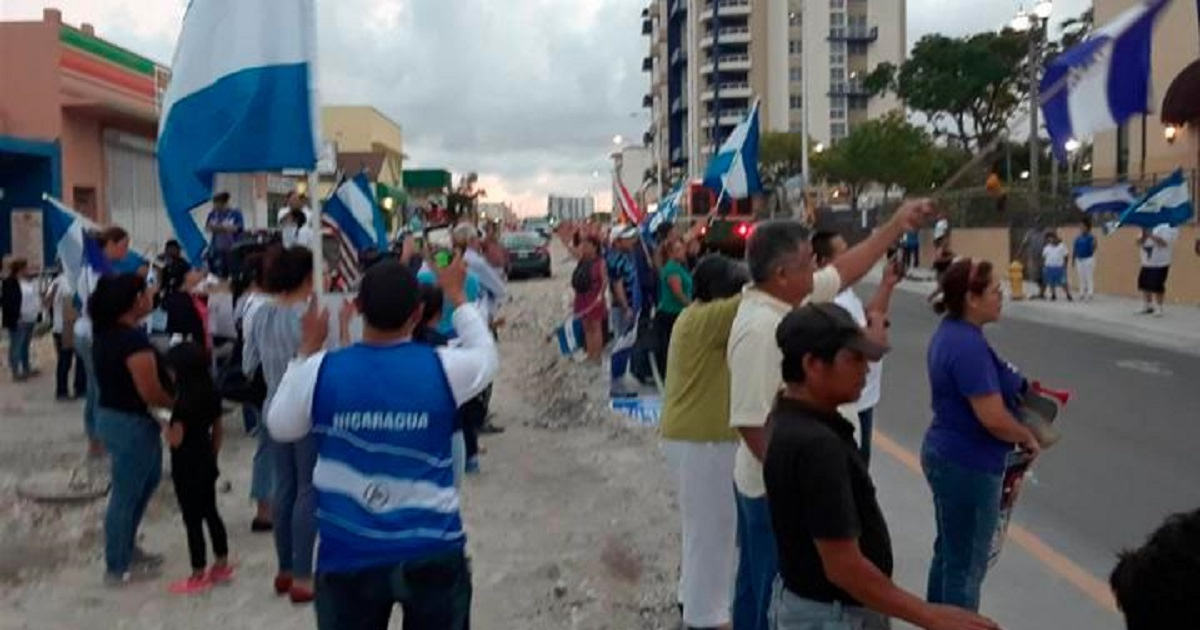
(825, 329)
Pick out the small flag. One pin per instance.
(733, 170)
(77, 251)
(1104, 198)
(570, 336)
(643, 411)
(245, 104)
(1170, 201)
(668, 210)
(352, 207)
(345, 272)
(1107, 78)
(629, 207)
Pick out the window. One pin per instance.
(837, 59)
(793, 47)
(837, 31)
(837, 130)
(837, 74)
(795, 75)
(837, 114)
(837, 4)
(857, 21)
(797, 102)
(837, 19)
(837, 102)
(837, 47)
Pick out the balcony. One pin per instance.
(848, 88)
(728, 118)
(647, 64)
(857, 34)
(728, 90)
(728, 35)
(729, 63)
(648, 100)
(647, 27)
(726, 8)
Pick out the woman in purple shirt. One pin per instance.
(975, 398)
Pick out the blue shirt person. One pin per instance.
(226, 225)
(383, 414)
(471, 288)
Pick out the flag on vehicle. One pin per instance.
(570, 336)
(668, 210)
(353, 209)
(629, 208)
(345, 272)
(733, 171)
(1104, 198)
(241, 99)
(1170, 201)
(76, 250)
(1107, 78)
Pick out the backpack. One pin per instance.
(581, 278)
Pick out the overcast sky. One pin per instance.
(529, 93)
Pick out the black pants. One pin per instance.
(664, 323)
(912, 257)
(66, 359)
(434, 594)
(197, 494)
(473, 413)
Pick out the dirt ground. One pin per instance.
(572, 523)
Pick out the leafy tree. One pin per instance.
(780, 155)
(888, 151)
(971, 85)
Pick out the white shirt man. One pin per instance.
(1157, 248)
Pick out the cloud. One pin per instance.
(528, 93)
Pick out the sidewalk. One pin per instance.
(1109, 316)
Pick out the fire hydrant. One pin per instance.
(1016, 278)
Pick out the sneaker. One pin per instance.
(283, 584)
(472, 467)
(190, 585)
(222, 574)
(1146, 311)
(300, 595)
(120, 580)
(144, 558)
(1160, 313)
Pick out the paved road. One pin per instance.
(1131, 451)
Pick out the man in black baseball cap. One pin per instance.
(834, 550)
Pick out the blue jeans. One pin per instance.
(295, 506)
(866, 423)
(792, 612)
(757, 564)
(134, 447)
(19, 339)
(967, 510)
(262, 473)
(83, 346)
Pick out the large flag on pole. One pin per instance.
(668, 210)
(1168, 202)
(1104, 81)
(75, 249)
(353, 209)
(734, 169)
(1104, 198)
(241, 99)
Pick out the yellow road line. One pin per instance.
(1088, 584)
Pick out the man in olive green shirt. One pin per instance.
(700, 443)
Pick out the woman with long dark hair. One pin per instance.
(272, 341)
(976, 397)
(674, 294)
(130, 379)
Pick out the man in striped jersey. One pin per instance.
(388, 511)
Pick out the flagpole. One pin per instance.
(318, 244)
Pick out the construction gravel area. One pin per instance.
(572, 523)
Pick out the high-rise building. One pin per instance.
(709, 60)
(566, 208)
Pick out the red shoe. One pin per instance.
(221, 575)
(190, 585)
(301, 595)
(283, 584)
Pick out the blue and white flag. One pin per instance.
(668, 211)
(1170, 201)
(1107, 78)
(570, 336)
(1104, 198)
(353, 209)
(75, 249)
(241, 99)
(734, 169)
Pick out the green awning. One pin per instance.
(426, 179)
(398, 195)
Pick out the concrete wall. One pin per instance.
(359, 128)
(83, 162)
(29, 88)
(1117, 261)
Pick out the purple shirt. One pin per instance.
(962, 365)
(222, 241)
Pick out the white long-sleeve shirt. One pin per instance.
(469, 367)
(490, 280)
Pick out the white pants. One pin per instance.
(1086, 269)
(704, 472)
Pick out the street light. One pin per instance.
(820, 148)
(1021, 22)
(1170, 133)
(618, 140)
(1043, 9)
(1024, 174)
(1035, 23)
(1071, 145)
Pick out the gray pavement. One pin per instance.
(1126, 462)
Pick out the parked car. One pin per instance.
(528, 254)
